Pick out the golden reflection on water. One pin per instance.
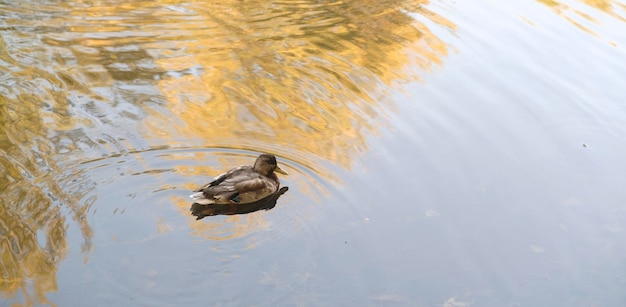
(33, 207)
(296, 78)
(303, 80)
(83, 79)
(578, 13)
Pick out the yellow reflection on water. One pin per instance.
(35, 207)
(299, 79)
(579, 12)
(32, 219)
(24, 259)
(306, 80)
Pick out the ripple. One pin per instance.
(113, 112)
(153, 175)
(138, 200)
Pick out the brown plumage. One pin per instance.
(242, 185)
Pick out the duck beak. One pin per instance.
(280, 170)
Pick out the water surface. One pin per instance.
(440, 153)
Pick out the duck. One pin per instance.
(243, 184)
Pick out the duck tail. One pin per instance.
(199, 198)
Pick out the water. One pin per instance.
(440, 153)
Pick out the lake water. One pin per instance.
(441, 153)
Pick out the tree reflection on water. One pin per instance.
(304, 79)
(88, 81)
(34, 206)
(580, 16)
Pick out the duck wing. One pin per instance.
(222, 177)
(228, 186)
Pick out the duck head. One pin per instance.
(266, 164)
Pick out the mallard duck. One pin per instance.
(242, 185)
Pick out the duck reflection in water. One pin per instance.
(244, 185)
(200, 211)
